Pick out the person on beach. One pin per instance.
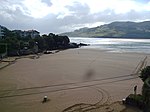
(135, 89)
(45, 99)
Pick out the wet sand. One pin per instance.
(68, 77)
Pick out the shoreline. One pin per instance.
(110, 51)
(111, 37)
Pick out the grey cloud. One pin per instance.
(48, 2)
(16, 19)
(107, 16)
(79, 9)
(130, 16)
(142, 1)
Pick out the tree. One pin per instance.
(13, 43)
(65, 40)
(2, 48)
(145, 73)
(16, 43)
(41, 42)
(31, 43)
(145, 76)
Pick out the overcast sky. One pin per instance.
(66, 15)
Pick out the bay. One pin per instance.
(115, 44)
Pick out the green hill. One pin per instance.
(115, 29)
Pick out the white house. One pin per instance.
(28, 33)
(32, 33)
(1, 32)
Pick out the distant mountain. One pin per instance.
(115, 29)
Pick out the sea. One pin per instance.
(115, 44)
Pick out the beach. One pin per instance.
(89, 77)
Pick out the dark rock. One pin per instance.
(82, 44)
(73, 45)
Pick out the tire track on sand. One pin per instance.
(87, 107)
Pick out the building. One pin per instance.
(29, 33)
(1, 31)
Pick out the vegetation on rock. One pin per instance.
(16, 45)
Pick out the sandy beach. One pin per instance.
(81, 78)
